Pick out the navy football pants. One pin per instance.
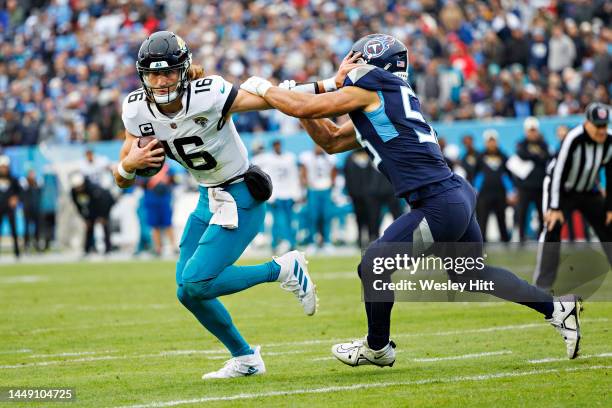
(447, 217)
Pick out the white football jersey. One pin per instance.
(318, 169)
(283, 171)
(198, 136)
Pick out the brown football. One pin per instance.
(149, 171)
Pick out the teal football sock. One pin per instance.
(215, 318)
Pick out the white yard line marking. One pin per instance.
(441, 333)
(555, 359)
(22, 279)
(462, 357)
(188, 352)
(16, 351)
(56, 362)
(435, 359)
(425, 381)
(337, 276)
(323, 358)
(272, 353)
(294, 343)
(90, 326)
(71, 354)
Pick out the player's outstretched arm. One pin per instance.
(132, 157)
(308, 106)
(246, 102)
(331, 137)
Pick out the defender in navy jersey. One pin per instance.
(386, 120)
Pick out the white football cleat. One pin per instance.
(566, 319)
(243, 366)
(358, 353)
(294, 278)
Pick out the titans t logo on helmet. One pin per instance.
(377, 46)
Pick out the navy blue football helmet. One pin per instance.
(164, 51)
(384, 51)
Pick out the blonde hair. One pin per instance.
(195, 72)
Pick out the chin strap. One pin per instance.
(166, 99)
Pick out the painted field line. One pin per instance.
(580, 357)
(439, 333)
(271, 353)
(310, 342)
(462, 357)
(210, 355)
(447, 358)
(71, 354)
(337, 275)
(56, 362)
(22, 279)
(92, 326)
(360, 386)
(20, 351)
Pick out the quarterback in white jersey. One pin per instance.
(189, 114)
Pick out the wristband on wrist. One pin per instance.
(308, 87)
(329, 84)
(124, 173)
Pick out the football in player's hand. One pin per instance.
(150, 171)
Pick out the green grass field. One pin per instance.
(116, 333)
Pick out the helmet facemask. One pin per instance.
(169, 93)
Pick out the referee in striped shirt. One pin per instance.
(571, 184)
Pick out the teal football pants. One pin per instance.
(320, 207)
(282, 226)
(205, 267)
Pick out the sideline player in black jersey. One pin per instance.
(386, 120)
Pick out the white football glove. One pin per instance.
(256, 85)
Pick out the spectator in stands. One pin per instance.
(72, 62)
(31, 199)
(561, 50)
(157, 202)
(493, 184)
(533, 150)
(93, 204)
(9, 198)
(318, 173)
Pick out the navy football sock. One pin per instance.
(379, 323)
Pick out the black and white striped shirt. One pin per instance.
(576, 167)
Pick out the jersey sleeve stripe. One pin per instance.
(229, 101)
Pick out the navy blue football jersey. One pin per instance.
(401, 143)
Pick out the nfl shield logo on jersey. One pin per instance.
(201, 120)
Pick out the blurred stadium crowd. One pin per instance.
(319, 202)
(66, 64)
